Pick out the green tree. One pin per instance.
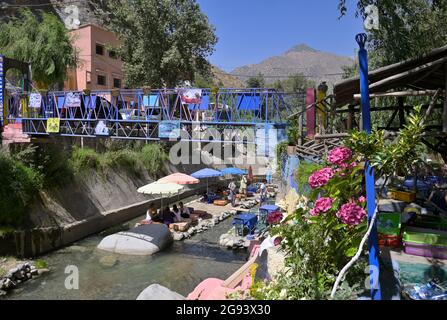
(164, 42)
(408, 28)
(297, 83)
(43, 41)
(256, 82)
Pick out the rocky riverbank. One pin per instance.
(17, 275)
(207, 224)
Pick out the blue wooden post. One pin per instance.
(373, 246)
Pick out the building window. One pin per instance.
(112, 54)
(116, 83)
(99, 49)
(101, 80)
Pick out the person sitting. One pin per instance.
(153, 213)
(177, 215)
(168, 216)
(184, 211)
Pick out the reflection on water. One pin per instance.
(180, 269)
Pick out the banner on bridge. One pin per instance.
(53, 125)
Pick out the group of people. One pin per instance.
(167, 216)
(243, 190)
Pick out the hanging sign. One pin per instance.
(35, 100)
(101, 129)
(191, 96)
(73, 100)
(53, 125)
(169, 130)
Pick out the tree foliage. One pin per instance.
(408, 28)
(256, 82)
(164, 42)
(43, 41)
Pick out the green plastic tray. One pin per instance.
(425, 236)
(389, 224)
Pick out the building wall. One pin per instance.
(92, 64)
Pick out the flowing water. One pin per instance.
(180, 268)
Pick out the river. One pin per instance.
(180, 268)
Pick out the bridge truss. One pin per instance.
(142, 114)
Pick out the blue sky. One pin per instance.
(251, 30)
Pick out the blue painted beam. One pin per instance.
(373, 245)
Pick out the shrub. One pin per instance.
(83, 159)
(19, 186)
(154, 158)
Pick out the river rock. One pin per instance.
(178, 236)
(143, 240)
(158, 292)
(108, 261)
(3, 293)
(42, 271)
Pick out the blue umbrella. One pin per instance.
(234, 171)
(207, 173)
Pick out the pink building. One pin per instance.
(98, 67)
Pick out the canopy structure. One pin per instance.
(163, 189)
(234, 171)
(206, 174)
(427, 72)
(179, 178)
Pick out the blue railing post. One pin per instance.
(374, 267)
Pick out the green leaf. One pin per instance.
(351, 252)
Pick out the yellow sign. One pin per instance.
(53, 125)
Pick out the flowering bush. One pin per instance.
(274, 217)
(351, 214)
(322, 205)
(339, 156)
(321, 237)
(320, 178)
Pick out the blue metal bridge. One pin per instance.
(145, 114)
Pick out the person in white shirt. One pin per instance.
(177, 213)
(184, 211)
(263, 191)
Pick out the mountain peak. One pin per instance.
(301, 48)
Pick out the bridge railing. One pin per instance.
(225, 105)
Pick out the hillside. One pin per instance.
(317, 65)
(224, 79)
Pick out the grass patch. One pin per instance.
(150, 157)
(41, 264)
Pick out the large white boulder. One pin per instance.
(158, 292)
(141, 241)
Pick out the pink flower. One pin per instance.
(322, 205)
(320, 178)
(339, 156)
(277, 241)
(274, 217)
(362, 199)
(351, 214)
